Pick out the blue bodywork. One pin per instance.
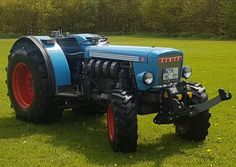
(59, 62)
(143, 59)
(152, 66)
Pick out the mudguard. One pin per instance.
(54, 58)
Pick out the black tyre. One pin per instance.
(195, 128)
(28, 87)
(122, 123)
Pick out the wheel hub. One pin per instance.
(22, 85)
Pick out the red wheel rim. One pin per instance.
(22, 85)
(110, 123)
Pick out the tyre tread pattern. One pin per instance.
(124, 110)
(195, 128)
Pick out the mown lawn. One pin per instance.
(82, 141)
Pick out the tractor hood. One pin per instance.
(128, 53)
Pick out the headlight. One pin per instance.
(186, 72)
(148, 78)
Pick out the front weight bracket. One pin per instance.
(194, 110)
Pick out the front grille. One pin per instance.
(169, 69)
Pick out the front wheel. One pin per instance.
(122, 123)
(195, 128)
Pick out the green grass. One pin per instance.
(82, 141)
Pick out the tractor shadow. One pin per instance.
(87, 135)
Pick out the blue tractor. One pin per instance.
(46, 75)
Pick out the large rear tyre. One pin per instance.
(28, 87)
(195, 128)
(122, 123)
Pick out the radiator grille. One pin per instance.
(169, 67)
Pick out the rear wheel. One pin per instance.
(195, 128)
(122, 123)
(28, 86)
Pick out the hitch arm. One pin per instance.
(198, 108)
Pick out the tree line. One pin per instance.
(217, 17)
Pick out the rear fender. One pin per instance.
(54, 58)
